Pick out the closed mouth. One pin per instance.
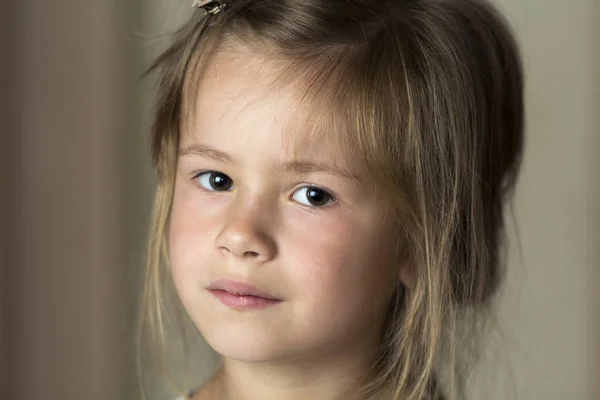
(241, 289)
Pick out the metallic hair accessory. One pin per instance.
(211, 7)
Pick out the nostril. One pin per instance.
(224, 249)
(252, 254)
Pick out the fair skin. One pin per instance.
(327, 255)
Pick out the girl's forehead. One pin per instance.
(241, 101)
(235, 86)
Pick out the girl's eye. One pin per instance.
(312, 196)
(214, 181)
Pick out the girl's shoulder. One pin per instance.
(189, 396)
(196, 394)
(207, 391)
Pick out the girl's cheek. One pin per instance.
(319, 246)
(189, 231)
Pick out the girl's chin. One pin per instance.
(253, 345)
(246, 352)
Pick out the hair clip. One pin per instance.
(211, 7)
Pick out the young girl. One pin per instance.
(331, 182)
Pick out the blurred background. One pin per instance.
(76, 190)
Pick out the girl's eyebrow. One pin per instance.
(296, 166)
(203, 150)
(306, 167)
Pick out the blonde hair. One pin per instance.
(428, 95)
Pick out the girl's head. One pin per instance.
(349, 158)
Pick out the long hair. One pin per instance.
(428, 95)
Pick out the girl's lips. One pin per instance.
(240, 288)
(241, 295)
(243, 302)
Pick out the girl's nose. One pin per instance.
(244, 237)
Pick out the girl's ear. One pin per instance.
(404, 263)
(406, 276)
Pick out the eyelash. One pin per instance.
(332, 198)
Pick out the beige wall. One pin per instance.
(75, 195)
(550, 306)
(68, 116)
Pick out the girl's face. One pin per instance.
(296, 229)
